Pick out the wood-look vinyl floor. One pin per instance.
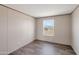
(44, 48)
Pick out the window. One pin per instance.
(48, 27)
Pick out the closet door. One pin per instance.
(3, 30)
(17, 30)
(20, 30)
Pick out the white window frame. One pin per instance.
(44, 31)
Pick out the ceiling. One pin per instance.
(43, 10)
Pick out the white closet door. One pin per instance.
(20, 30)
(3, 30)
(17, 30)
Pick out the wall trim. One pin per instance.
(75, 50)
(74, 9)
(16, 10)
(21, 46)
(53, 42)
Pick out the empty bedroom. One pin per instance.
(39, 29)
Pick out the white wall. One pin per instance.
(20, 30)
(62, 30)
(3, 30)
(16, 30)
(75, 30)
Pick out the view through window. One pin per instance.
(48, 27)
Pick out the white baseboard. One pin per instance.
(54, 42)
(21, 46)
(77, 52)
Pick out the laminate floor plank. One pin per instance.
(38, 47)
